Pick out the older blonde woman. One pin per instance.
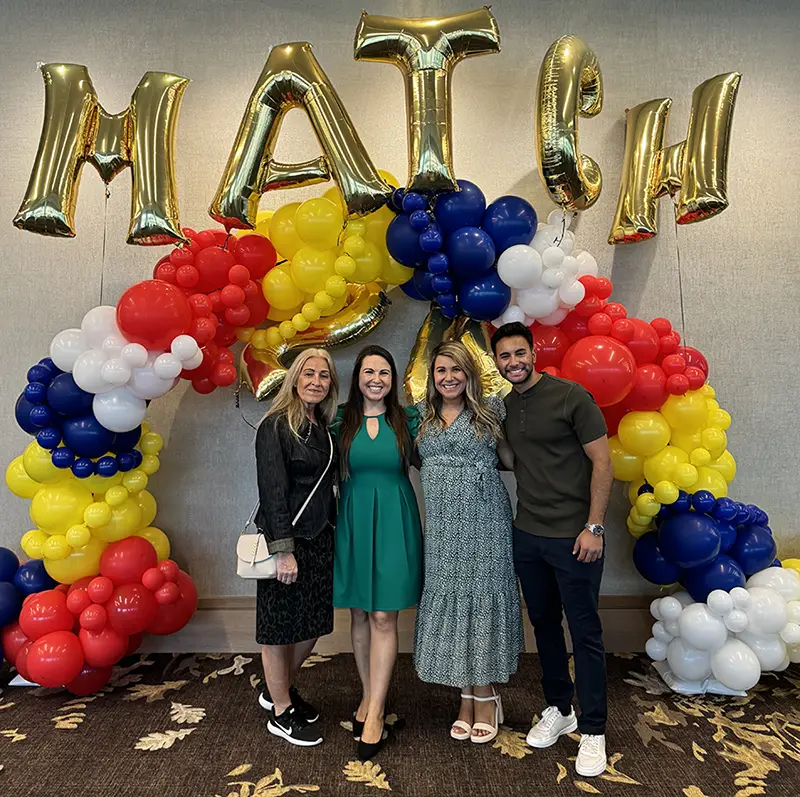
(469, 625)
(296, 467)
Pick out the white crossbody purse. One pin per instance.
(253, 559)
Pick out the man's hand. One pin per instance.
(588, 547)
(287, 568)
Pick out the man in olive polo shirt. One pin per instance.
(564, 476)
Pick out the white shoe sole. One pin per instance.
(591, 773)
(264, 703)
(542, 744)
(276, 730)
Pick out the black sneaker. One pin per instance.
(307, 711)
(294, 728)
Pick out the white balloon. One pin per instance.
(184, 347)
(655, 609)
(513, 314)
(670, 608)
(784, 581)
(741, 598)
(687, 662)
(571, 293)
(119, 410)
(736, 621)
(88, 371)
(553, 277)
(98, 324)
(113, 345)
(552, 257)
(587, 264)
(555, 217)
(146, 385)
(794, 654)
(167, 366)
(135, 355)
(656, 649)
(701, 629)
(661, 633)
(791, 634)
(770, 649)
(683, 597)
(784, 664)
(545, 237)
(554, 318)
(793, 611)
(197, 360)
(567, 243)
(115, 371)
(672, 627)
(570, 266)
(719, 602)
(735, 665)
(520, 266)
(66, 347)
(538, 301)
(767, 613)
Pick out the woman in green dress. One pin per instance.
(378, 554)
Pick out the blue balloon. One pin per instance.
(484, 298)
(42, 415)
(126, 441)
(683, 504)
(754, 548)
(413, 201)
(449, 312)
(438, 263)
(742, 514)
(10, 603)
(396, 201)
(725, 509)
(762, 518)
(126, 461)
(39, 373)
(776, 563)
(471, 253)
(138, 457)
(22, 412)
(87, 437)
(32, 577)
(49, 437)
(420, 219)
(8, 564)
(441, 283)
(65, 397)
(35, 392)
(83, 468)
(430, 239)
(703, 501)
(448, 301)
(650, 562)
(423, 283)
(645, 488)
(510, 220)
(689, 539)
(106, 466)
(462, 208)
(402, 241)
(63, 457)
(721, 573)
(47, 362)
(727, 534)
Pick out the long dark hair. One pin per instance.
(353, 414)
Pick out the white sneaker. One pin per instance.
(552, 725)
(591, 759)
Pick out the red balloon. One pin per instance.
(104, 648)
(574, 326)
(203, 331)
(226, 334)
(167, 594)
(673, 364)
(615, 311)
(153, 313)
(160, 263)
(649, 390)
(169, 569)
(204, 386)
(604, 366)
(100, 589)
(258, 307)
(174, 617)
(677, 384)
(182, 256)
(78, 600)
(81, 583)
(238, 317)
(165, 272)
(187, 276)
(695, 376)
(552, 370)
(55, 659)
(125, 561)
(12, 640)
(644, 344)
(623, 330)
(46, 614)
(550, 345)
(613, 415)
(206, 238)
(62, 588)
(153, 579)
(667, 345)
(589, 281)
(131, 609)
(94, 617)
(224, 375)
(232, 295)
(213, 264)
(221, 237)
(201, 305)
(589, 306)
(239, 275)
(603, 288)
(134, 640)
(694, 358)
(89, 680)
(661, 326)
(600, 324)
(257, 253)
(21, 660)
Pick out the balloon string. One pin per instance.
(105, 233)
(239, 404)
(563, 228)
(684, 342)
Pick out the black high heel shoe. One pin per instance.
(358, 727)
(367, 750)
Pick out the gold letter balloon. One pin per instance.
(293, 78)
(696, 169)
(570, 86)
(78, 130)
(426, 52)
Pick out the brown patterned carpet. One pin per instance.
(190, 726)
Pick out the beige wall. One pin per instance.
(741, 287)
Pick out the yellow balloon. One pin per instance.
(99, 485)
(666, 492)
(708, 391)
(300, 322)
(633, 490)
(715, 440)
(283, 232)
(711, 480)
(345, 266)
(32, 542)
(117, 496)
(684, 474)
(354, 245)
(277, 316)
(686, 441)
(636, 530)
(79, 564)
(792, 564)
(157, 539)
(369, 264)
(126, 519)
(724, 465)
(686, 413)
(712, 404)
(393, 273)
(377, 223)
(355, 227)
(97, 514)
(700, 457)
(244, 334)
(312, 267)
(721, 419)
(318, 223)
(18, 481)
(273, 338)
(659, 467)
(287, 330)
(78, 536)
(151, 443)
(56, 547)
(333, 195)
(324, 301)
(647, 505)
(638, 519)
(644, 433)
(336, 286)
(311, 312)
(147, 503)
(39, 465)
(389, 179)
(136, 480)
(56, 507)
(336, 304)
(627, 466)
(280, 291)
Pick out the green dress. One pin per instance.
(378, 554)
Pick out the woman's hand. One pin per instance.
(287, 568)
(505, 454)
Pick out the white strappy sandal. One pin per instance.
(491, 730)
(461, 730)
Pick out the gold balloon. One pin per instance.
(263, 370)
(78, 130)
(570, 86)
(426, 52)
(473, 334)
(293, 78)
(695, 169)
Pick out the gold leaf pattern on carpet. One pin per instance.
(511, 743)
(699, 753)
(153, 692)
(317, 658)
(237, 668)
(562, 773)
(613, 775)
(583, 786)
(693, 791)
(162, 741)
(183, 714)
(269, 786)
(240, 770)
(367, 773)
(14, 736)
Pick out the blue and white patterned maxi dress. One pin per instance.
(469, 623)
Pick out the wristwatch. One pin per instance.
(598, 529)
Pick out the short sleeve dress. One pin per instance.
(378, 553)
(469, 622)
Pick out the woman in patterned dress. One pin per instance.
(469, 625)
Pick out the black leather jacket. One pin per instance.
(287, 469)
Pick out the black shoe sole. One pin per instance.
(276, 730)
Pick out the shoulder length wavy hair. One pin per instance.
(353, 411)
(483, 420)
(288, 402)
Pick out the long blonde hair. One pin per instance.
(482, 418)
(288, 401)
